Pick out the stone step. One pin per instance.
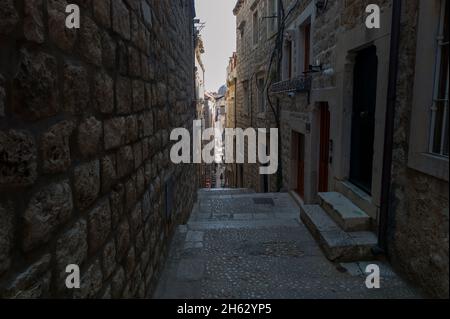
(337, 244)
(346, 214)
(358, 197)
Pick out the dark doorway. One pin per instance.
(241, 175)
(363, 118)
(324, 147)
(265, 183)
(301, 165)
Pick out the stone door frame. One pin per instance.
(348, 44)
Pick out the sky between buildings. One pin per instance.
(219, 37)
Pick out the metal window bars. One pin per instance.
(297, 84)
(439, 110)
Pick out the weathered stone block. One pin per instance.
(138, 95)
(8, 17)
(130, 193)
(90, 44)
(147, 124)
(76, 88)
(107, 295)
(90, 137)
(121, 19)
(136, 221)
(50, 207)
(134, 60)
(102, 12)
(109, 174)
(123, 95)
(2, 96)
(118, 283)
(99, 225)
(35, 91)
(91, 282)
(55, 148)
(108, 50)
(109, 259)
(122, 239)
(87, 184)
(63, 37)
(125, 161)
(117, 204)
(140, 181)
(147, 14)
(122, 58)
(33, 24)
(146, 206)
(18, 165)
(104, 93)
(115, 132)
(137, 148)
(132, 133)
(6, 235)
(140, 242)
(32, 283)
(130, 263)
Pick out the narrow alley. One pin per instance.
(163, 149)
(242, 245)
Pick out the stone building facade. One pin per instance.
(331, 66)
(85, 118)
(230, 97)
(256, 35)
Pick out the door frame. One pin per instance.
(348, 43)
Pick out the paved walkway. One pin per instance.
(254, 246)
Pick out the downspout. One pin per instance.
(389, 129)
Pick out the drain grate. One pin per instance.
(264, 201)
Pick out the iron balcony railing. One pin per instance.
(298, 84)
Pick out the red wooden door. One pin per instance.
(324, 147)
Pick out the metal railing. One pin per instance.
(298, 84)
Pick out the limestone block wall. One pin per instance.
(85, 118)
(419, 223)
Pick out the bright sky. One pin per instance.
(219, 37)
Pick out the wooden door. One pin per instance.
(301, 166)
(324, 147)
(363, 118)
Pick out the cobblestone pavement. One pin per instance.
(255, 246)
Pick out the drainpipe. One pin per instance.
(389, 129)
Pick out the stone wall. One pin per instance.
(85, 117)
(419, 223)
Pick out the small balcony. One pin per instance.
(298, 84)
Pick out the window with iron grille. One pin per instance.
(439, 110)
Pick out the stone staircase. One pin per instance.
(341, 228)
